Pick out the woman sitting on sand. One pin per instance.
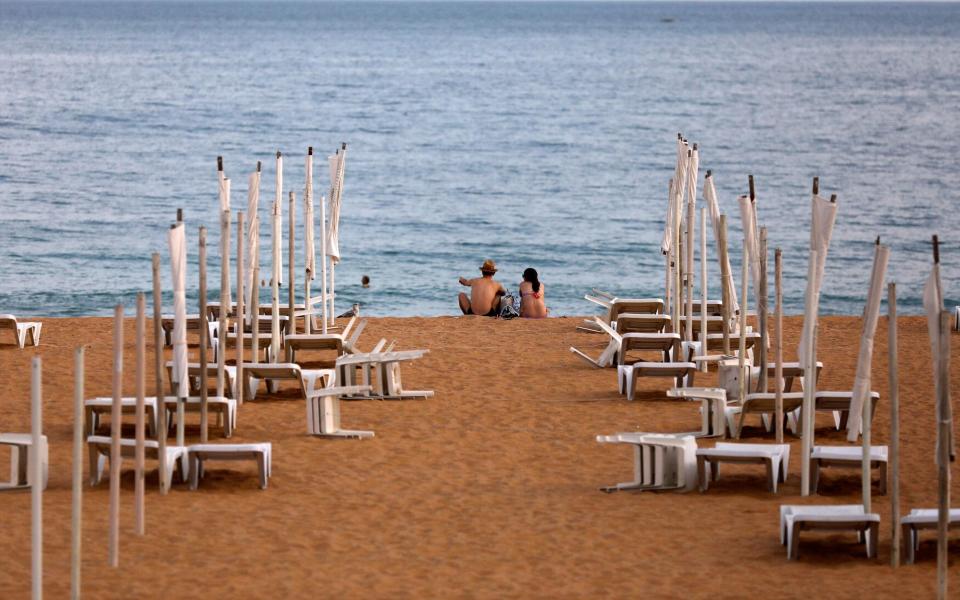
(532, 304)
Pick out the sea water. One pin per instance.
(537, 134)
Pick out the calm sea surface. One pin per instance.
(538, 134)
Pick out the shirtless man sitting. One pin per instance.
(485, 292)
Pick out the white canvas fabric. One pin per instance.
(176, 238)
(751, 236)
(253, 238)
(277, 229)
(871, 314)
(276, 282)
(337, 164)
(308, 244)
(666, 241)
(823, 215)
(933, 305)
(227, 300)
(713, 205)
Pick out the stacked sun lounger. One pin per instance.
(797, 518)
(21, 332)
(918, 520)
(661, 461)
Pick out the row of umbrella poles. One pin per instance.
(678, 245)
(246, 278)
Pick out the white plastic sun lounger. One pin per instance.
(21, 332)
(839, 404)
(661, 461)
(765, 405)
(776, 457)
(791, 371)
(849, 457)
(917, 520)
(99, 450)
(713, 403)
(21, 451)
(193, 324)
(622, 343)
(795, 518)
(261, 453)
(380, 371)
(615, 306)
(323, 412)
(194, 373)
(94, 408)
(308, 379)
(714, 353)
(225, 409)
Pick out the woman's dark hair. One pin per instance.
(530, 276)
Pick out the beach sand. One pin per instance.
(487, 490)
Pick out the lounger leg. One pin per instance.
(771, 476)
(883, 479)
(872, 533)
(815, 475)
(794, 552)
(194, 471)
(703, 473)
(262, 467)
(94, 456)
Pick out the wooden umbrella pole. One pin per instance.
(943, 452)
(691, 242)
(160, 414)
(291, 273)
(113, 545)
(255, 311)
(36, 478)
(809, 377)
(724, 288)
(744, 376)
(894, 393)
(141, 410)
(225, 307)
(704, 350)
(76, 517)
(762, 312)
(308, 223)
(778, 372)
(238, 378)
(203, 335)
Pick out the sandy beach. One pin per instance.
(487, 490)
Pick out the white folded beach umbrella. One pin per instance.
(275, 283)
(710, 196)
(693, 169)
(823, 215)
(336, 187)
(751, 234)
(310, 262)
(224, 195)
(871, 314)
(253, 238)
(176, 238)
(337, 164)
(278, 208)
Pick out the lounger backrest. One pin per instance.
(639, 305)
(766, 403)
(273, 371)
(351, 343)
(10, 322)
(641, 323)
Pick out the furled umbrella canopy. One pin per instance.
(253, 238)
(871, 314)
(176, 238)
(224, 195)
(710, 196)
(932, 306)
(823, 215)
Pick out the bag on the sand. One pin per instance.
(507, 307)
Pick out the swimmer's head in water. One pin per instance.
(365, 281)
